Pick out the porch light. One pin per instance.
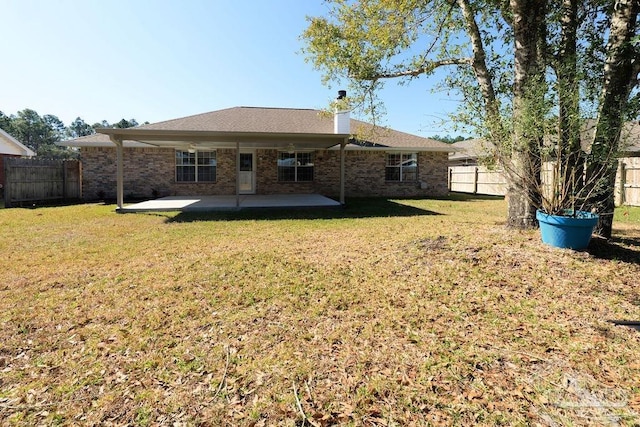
(291, 149)
(192, 149)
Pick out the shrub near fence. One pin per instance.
(33, 180)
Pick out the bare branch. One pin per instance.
(430, 66)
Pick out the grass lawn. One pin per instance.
(389, 313)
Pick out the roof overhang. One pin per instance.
(10, 145)
(216, 139)
(389, 149)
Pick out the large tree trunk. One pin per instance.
(569, 150)
(494, 124)
(523, 170)
(620, 75)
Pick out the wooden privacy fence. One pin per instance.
(33, 180)
(477, 180)
(628, 182)
(481, 180)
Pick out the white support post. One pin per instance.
(120, 171)
(342, 171)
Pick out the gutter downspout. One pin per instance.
(120, 171)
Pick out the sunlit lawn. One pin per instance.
(405, 312)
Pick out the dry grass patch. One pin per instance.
(415, 312)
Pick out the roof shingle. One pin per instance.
(281, 121)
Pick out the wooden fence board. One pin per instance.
(33, 180)
(476, 180)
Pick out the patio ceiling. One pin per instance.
(216, 139)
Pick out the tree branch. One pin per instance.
(430, 66)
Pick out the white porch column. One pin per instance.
(238, 175)
(119, 170)
(342, 169)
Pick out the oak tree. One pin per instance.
(527, 70)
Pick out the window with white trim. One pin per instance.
(199, 166)
(295, 167)
(402, 167)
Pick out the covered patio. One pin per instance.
(227, 203)
(239, 141)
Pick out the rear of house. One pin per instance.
(247, 150)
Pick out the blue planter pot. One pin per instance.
(567, 231)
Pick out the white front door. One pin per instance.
(247, 183)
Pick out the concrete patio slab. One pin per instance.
(226, 203)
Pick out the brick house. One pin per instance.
(249, 150)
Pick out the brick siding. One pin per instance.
(150, 173)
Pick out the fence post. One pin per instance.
(475, 180)
(621, 183)
(64, 180)
(7, 183)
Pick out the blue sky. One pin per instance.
(155, 60)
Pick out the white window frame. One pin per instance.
(296, 165)
(411, 156)
(213, 154)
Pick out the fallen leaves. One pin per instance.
(382, 321)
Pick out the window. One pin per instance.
(295, 167)
(199, 166)
(402, 167)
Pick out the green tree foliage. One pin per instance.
(123, 124)
(527, 70)
(6, 124)
(102, 124)
(448, 139)
(79, 128)
(41, 133)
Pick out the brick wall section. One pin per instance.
(365, 175)
(150, 172)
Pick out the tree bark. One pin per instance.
(523, 170)
(569, 150)
(483, 76)
(620, 75)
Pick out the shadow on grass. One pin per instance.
(623, 249)
(355, 208)
(469, 197)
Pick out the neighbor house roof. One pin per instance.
(629, 137)
(469, 149)
(10, 145)
(246, 122)
(477, 148)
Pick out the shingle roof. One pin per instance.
(469, 148)
(280, 121)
